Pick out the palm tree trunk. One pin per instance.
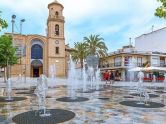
(82, 63)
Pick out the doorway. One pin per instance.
(35, 72)
(36, 68)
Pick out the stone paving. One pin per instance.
(94, 111)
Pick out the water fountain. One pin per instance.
(84, 78)
(72, 85)
(141, 88)
(165, 83)
(90, 75)
(19, 80)
(98, 79)
(52, 71)
(144, 97)
(153, 81)
(130, 74)
(43, 115)
(52, 75)
(72, 80)
(41, 92)
(9, 90)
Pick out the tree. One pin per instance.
(3, 23)
(161, 10)
(95, 45)
(79, 53)
(7, 54)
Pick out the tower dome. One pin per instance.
(55, 2)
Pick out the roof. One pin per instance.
(152, 32)
(55, 2)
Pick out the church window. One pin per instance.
(56, 14)
(57, 50)
(56, 29)
(37, 52)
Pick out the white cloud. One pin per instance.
(128, 18)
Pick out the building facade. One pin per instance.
(122, 60)
(39, 53)
(153, 41)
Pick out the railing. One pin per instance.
(162, 65)
(130, 52)
(119, 64)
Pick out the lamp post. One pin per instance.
(8, 62)
(21, 54)
(21, 21)
(13, 21)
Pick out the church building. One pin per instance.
(39, 54)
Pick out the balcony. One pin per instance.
(117, 64)
(162, 65)
(122, 64)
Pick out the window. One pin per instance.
(127, 60)
(118, 61)
(56, 29)
(57, 50)
(56, 14)
(36, 52)
(139, 61)
(155, 61)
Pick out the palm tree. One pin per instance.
(95, 45)
(79, 53)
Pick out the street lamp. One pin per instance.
(13, 21)
(8, 65)
(21, 21)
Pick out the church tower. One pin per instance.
(56, 40)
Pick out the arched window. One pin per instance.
(56, 29)
(36, 52)
(56, 14)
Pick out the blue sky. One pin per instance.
(115, 20)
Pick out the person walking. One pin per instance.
(106, 76)
(111, 78)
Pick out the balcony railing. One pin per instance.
(117, 64)
(120, 64)
(162, 65)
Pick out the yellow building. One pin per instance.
(118, 61)
(38, 52)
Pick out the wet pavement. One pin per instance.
(102, 107)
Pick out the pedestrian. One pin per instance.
(106, 76)
(111, 78)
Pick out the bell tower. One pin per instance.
(56, 40)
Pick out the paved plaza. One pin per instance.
(102, 107)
